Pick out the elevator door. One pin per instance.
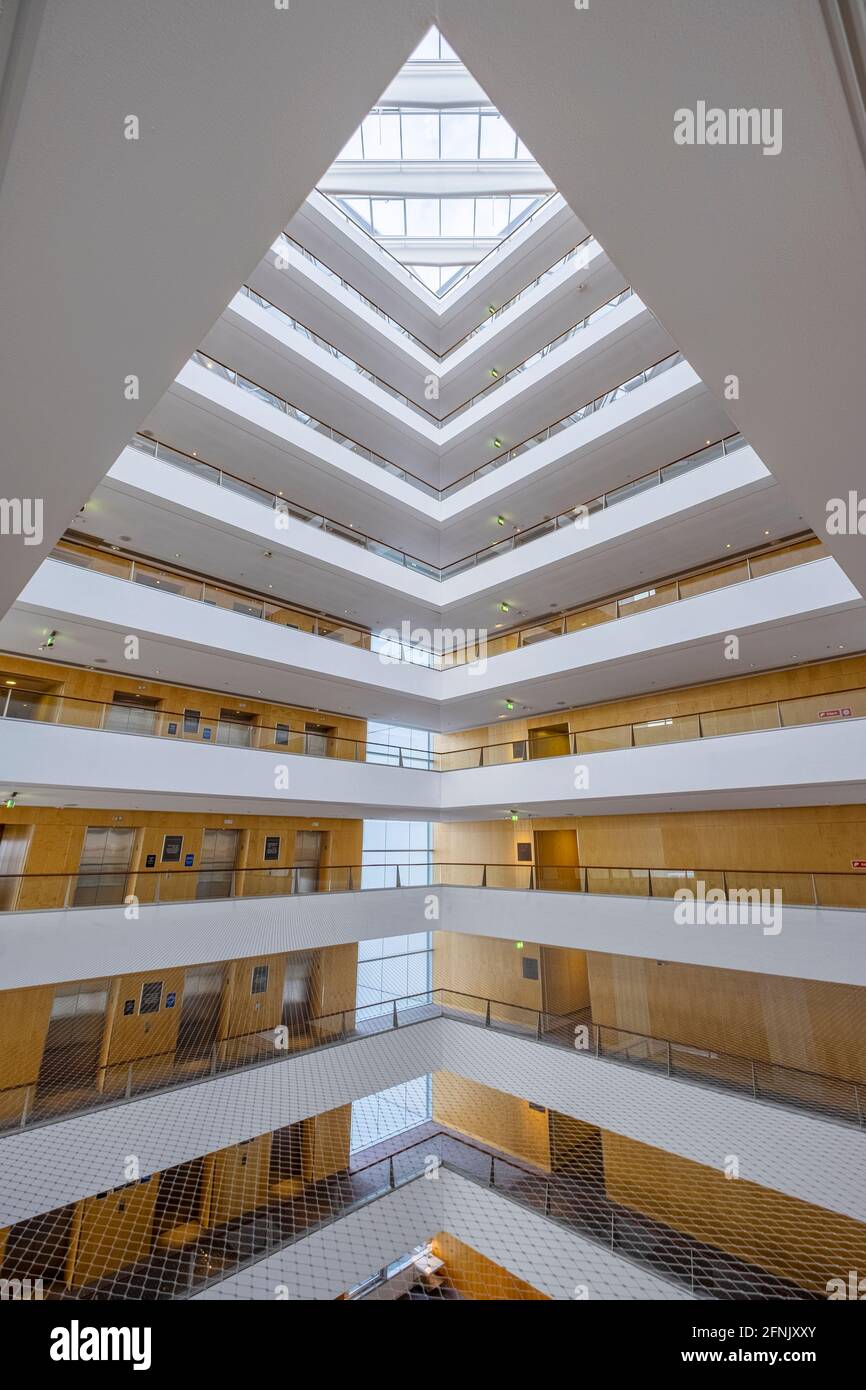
(235, 729)
(297, 987)
(200, 1012)
(103, 867)
(219, 849)
(308, 857)
(70, 1059)
(131, 714)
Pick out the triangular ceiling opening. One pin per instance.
(435, 174)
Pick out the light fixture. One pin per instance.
(500, 521)
(514, 815)
(503, 607)
(509, 704)
(494, 372)
(519, 945)
(10, 800)
(497, 443)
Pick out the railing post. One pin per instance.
(343, 1022)
(669, 1059)
(692, 1267)
(491, 1177)
(128, 1081)
(814, 890)
(487, 1015)
(598, 1040)
(213, 1059)
(25, 1108)
(547, 1198)
(484, 876)
(754, 1082)
(394, 1020)
(391, 1171)
(538, 1027)
(612, 1230)
(857, 1103)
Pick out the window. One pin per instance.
(259, 982)
(191, 720)
(281, 736)
(151, 997)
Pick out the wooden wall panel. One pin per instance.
(488, 968)
(778, 1233)
(505, 1122)
(327, 1140)
(112, 1231)
(804, 683)
(476, 1277)
(795, 840)
(235, 1180)
(24, 1015)
(809, 1024)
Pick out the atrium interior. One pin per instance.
(432, 655)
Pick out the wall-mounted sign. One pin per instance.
(844, 712)
(206, 733)
(272, 846)
(171, 848)
(188, 860)
(128, 1007)
(150, 861)
(169, 1000)
(524, 851)
(172, 728)
(858, 863)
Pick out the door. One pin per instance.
(131, 714)
(318, 740)
(219, 849)
(297, 986)
(308, 857)
(235, 729)
(550, 742)
(104, 864)
(71, 1057)
(200, 1012)
(556, 860)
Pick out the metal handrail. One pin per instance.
(571, 516)
(349, 878)
(307, 743)
(571, 1032)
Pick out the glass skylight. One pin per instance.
(461, 198)
(408, 133)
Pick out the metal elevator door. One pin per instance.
(219, 849)
(200, 1011)
(103, 866)
(70, 1058)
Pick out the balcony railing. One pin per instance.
(20, 703)
(570, 1198)
(565, 520)
(186, 584)
(90, 888)
(221, 369)
(52, 1096)
(582, 249)
(293, 324)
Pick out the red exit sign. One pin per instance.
(844, 713)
